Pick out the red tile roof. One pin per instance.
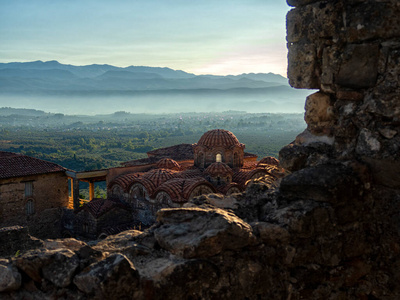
(269, 160)
(159, 176)
(125, 180)
(168, 163)
(218, 168)
(18, 165)
(97, 207)
(180, 189)
(219, 138)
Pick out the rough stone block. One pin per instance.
(10, 278)
(272, 234)
(368, 143)
(370, 20)
(112, 278)
(384, 171)
(349, 95)
(325, 183)
(301, 69)
(319, 112)
(313, 22)
(61, 268)
(197, 232)
(359, 67)
(293, 157)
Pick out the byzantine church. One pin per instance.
(172, 176)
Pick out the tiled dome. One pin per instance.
(159, 176)
(218, 168)
(218, 137)
(179, 189)
(125, 180)
(269, 160)
(168, 163)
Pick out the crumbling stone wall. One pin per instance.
(329, 231)
(347, 159)
(350, 52)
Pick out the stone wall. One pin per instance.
(350, 52)
(50, 192)
(329, 231)
(15, 240)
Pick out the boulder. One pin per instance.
(182, 279)
(57, 266)
(201, 232)
(112, 278)
(325, 183)
(61, 268)
(10, 278)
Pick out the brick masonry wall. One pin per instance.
(50, 192)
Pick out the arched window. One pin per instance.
(218, 157)
(30, 207)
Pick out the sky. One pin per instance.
(202, 37)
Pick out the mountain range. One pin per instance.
(39, 76)
(102, 89)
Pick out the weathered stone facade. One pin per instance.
(329, 231)
(39, 210)
(101, 217)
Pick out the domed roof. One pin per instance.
(218, 137)
(242, 177)
(125, 180)
(159, 176)
(168, 163)
(179, 189)
(218, 168)
(269, 160)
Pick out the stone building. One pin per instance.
(171, 176)
(31, 193)
(102, 216)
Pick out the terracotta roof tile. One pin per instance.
(125, 180)
(168, 163)
(242, 176)
(159, 176)
(218, 168)
(269, 160)
(17, 165)
(179, 189)
(218, 138)
(98, 207)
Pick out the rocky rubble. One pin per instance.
(330, 230)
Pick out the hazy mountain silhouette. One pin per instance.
(101, 88)
(55, 76)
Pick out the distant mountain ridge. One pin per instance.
(39, 76)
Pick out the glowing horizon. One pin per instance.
(219, 38)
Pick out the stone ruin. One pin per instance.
(329, 231)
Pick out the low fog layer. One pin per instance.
(286, 101)
(103, 89)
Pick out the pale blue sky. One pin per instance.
(202, 37)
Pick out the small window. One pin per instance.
(29, 189)
(218, 158)
(30, 207)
